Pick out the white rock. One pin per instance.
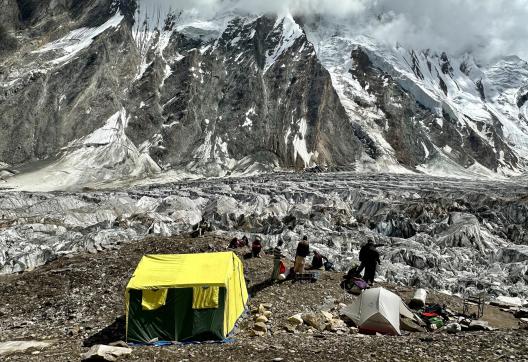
(21, 346)
(328, 316)
(453, 328)
(107, 353)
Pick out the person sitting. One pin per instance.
(200, 229)
(233, 244)
(256, 247)
(244, 242)
(352, 280)
(318, 261)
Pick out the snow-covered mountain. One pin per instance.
(102, 90)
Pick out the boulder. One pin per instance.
(521, 313)
(102, 352)
(290, 328)
(260, 327)
(296, 320)
(327, 315)
(409, 325)
(261, 319)
(336, 325)
(523, 323)
(255, 333)
(315, 320)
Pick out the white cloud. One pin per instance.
(488, 28)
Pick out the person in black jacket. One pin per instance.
(369, 258)
(318, 261)
(303, 250)
(256, 247)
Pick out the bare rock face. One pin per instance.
(241, 94)
(413, 127)
(251, 94)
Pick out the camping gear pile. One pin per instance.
(353, 283)
(378, 310)
(185, 298)
(437, 317)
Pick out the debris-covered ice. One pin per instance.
(446, 234)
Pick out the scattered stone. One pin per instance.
(267, 314)
(102, 352)
(261, 309)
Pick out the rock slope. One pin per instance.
(232, 93)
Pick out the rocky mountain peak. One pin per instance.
(232, 92)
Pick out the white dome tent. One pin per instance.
(378, 311)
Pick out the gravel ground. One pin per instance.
(77, 302)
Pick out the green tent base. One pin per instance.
(176, 320)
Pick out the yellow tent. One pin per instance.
(185, 297)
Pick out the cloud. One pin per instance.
(487, 28)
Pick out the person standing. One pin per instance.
(369, 258)
(277, 256)
(303, 250)
(256, 247)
